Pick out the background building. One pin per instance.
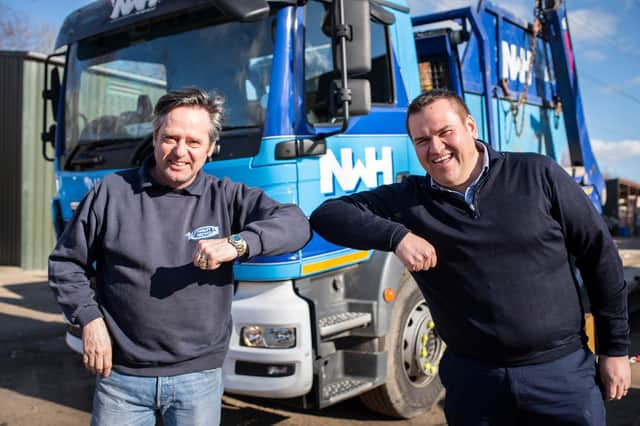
(26, 230)
(623, 207)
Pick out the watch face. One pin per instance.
(240, 245)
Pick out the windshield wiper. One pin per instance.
(87, 161)
(111, 141)
(246, 126)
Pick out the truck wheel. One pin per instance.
(414, 351)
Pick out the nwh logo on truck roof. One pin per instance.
(122, 8)
(515, 63)
(347, 174)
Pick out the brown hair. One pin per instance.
(427, 98)
(190, 96)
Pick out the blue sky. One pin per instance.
(607, 49)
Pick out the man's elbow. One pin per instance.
(297, 230)
(322, 217)
(303, 233)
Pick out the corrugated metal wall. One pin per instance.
(26, 231)
(38, 178)
(10, 164)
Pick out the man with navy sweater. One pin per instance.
(164, 238)
(491, 239)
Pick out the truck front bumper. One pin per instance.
(269, 372)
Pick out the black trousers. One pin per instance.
(559, 392)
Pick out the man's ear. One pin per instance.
(212, 149)
(470, 124)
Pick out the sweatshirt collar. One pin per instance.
(494, 155)
(146, 181)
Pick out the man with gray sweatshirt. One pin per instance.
(164, 237)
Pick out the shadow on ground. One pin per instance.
(352, 411)
(34, 359)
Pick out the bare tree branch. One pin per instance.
(19, 32)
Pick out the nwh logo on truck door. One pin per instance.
(347, 174)
(122, 8)
(515, 63)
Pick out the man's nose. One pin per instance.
(180, 148)
(436, 144)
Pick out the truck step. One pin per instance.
(343, 321)
(345, 388)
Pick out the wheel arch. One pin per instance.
(383, 271)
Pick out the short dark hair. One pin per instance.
(191, 96)
(430, 96)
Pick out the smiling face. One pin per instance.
(444, 140)
(181, 146)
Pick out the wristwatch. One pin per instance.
(238, 243)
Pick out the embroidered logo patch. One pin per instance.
(202, 233)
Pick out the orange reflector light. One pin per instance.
(389, 295)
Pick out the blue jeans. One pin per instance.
(187, 399)
(559, 392)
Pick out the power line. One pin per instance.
(605, 35)
(607, 86)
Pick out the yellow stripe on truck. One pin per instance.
(590, 330)
(335, 262)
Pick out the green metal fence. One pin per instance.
(26, 179)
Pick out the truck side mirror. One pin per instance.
(53, 94)
(360, 94)
(351, 22)
(50, 93)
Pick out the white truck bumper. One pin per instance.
(272, 304)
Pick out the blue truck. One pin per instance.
(316, 93)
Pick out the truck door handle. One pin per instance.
(300, 148)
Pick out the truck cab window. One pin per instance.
(319, 69)
(113, 83)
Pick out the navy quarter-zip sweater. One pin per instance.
(503, 290)
(165, 316)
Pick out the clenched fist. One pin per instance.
(210, 254)
(416, 253)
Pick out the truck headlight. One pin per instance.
(257, 336)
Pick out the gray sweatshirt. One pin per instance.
(165, 316)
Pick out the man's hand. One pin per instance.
(416, 253)
(615, 374)
(210, 254)
(96, 354)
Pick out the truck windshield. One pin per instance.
(113, 84)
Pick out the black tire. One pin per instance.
(412, 386)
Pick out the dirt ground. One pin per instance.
(43, 383)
